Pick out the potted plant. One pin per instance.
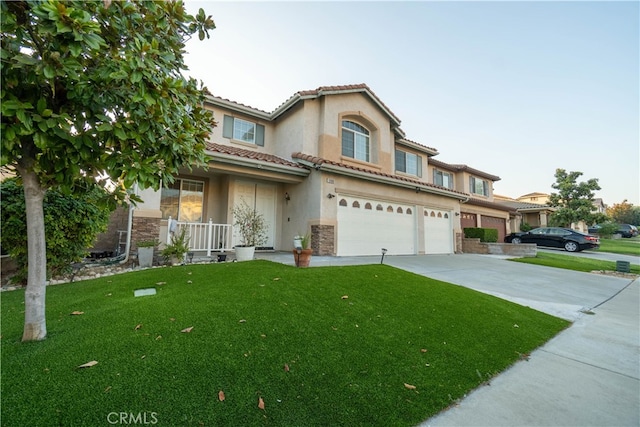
(146, 248)
(252, 228)
(302, 250)
(175, 251)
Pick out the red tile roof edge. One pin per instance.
(320, 161)
(249, 154)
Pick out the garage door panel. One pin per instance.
(366, 226)
(438, 231)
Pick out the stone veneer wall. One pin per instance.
(108, 241)
(475, 246)
(322, 239)
(144, 229)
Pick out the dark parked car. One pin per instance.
(625, 230)
(556, 237)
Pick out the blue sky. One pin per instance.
(515, 89)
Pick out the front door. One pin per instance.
(262, 197)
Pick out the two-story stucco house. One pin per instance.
(332, 162)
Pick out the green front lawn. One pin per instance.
(362, 345)
(571, 262)
(621, 246)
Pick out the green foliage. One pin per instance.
(178, 246)
(347, 359)
(607, 229)
(250, 224)
(147, 243)
(569, 262)
(488, 235)
(72, 223)
(91, 88)
(525, 226)
(625, 213)
(574, 200)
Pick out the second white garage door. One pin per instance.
(438, 232)
(366, 226)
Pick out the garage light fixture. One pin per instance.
(331, 196)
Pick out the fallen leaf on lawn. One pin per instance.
(77, 313)
(143, 356)
(345, 296)
(159, 337)
(423, 350)
(242, 321)
(88, 364)
(161, 283)
(173, 319)
(106, 390)
(409, 386)
(189, 282)
(187, 330)
(286, 367)
(138, 326)
(276, 278)
(260, 403)
(221, 396)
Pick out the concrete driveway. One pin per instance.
(588, 375)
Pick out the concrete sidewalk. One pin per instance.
(588, 375)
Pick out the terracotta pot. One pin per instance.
(304, 258)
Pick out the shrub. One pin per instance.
(525, 226)
(72, 223)
(488, 235)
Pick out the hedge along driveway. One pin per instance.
(361, 345)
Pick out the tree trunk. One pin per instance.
(35, 327)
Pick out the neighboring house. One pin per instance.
(599, 206)
(535, 198)
(332, 162)
(535, 215)
(480, 210)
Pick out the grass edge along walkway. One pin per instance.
(260, 343)
(570, 262)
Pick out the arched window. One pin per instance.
(343, 202)
(367, 206)
(355, 204)
(446, 215)
(379, 208)
(433, 214)
(439, 214)
(409, 211)
(389, 208)
(355, 141)
(399, 209)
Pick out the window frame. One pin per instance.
(230, 125)
(442, 174)
(402, 160)
(181, 194)
(357, 154)
(473, 186)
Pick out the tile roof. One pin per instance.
(320, 161)
(524, 205)
(495, 205)
(459, 167)
(250, 154)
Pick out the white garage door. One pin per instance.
(366, 226)
(438, 232)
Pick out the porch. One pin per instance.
(204, 237)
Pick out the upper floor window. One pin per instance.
(443, 179)
(242, 130)
(478, 186)
(183, 200)
(408, 163)
(355, 141)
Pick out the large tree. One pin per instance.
(624, 213)
(574, 199)
(93, 88)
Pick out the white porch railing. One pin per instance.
(204, 236)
